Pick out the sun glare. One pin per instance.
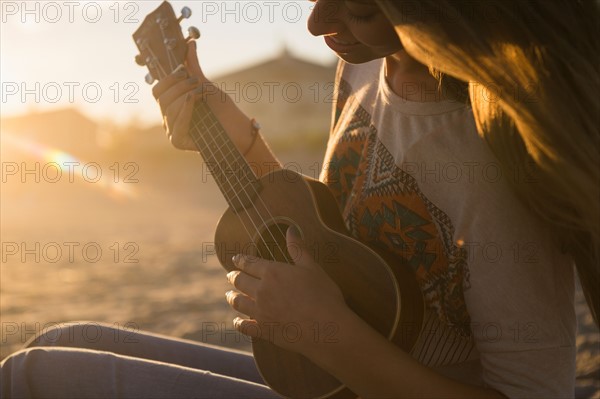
(64, 163)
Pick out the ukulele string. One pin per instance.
(258, 199)
(167, 43)
(248, 196)
(198, 145)
(232, 151)
(156, 64)
(169, 52)
(231, 186)
(242, 186)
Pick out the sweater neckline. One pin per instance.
(403, 106)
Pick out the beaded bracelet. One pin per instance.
(254, 129)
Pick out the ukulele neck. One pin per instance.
(234, 176)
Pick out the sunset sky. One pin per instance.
(80, 53)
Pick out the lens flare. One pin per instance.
(66, 163)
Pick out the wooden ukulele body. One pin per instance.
(383, 294)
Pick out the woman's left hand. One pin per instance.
(296, 307)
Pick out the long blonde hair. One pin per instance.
(534, 76)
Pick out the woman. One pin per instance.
(411, 174)
(541, 60)
(496, 282)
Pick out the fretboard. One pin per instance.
(229, 168)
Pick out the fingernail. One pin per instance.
(229, 276)
(293, 230)
(235, 259)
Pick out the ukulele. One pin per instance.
(375, 285)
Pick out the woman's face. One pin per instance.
(356, 30)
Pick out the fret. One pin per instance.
(233, 175)
(223, 145)
(231, 191)
(234, 153)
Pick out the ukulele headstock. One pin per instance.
(161, 43)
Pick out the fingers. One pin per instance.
(244, 282)
(165, 83)
(247, 327)
(178, 90)
(253, 266)
(191, 70)
(176, 96)
(240, 302)
(192, 60)
(181, 113)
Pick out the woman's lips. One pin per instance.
(340, 46)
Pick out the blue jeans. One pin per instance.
(62, 363)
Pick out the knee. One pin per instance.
(23, 360)
(72, 334)
(49, 372)
(19, 369)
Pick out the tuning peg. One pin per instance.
(149, 79)
(185, 14)
(140, 60)
(194, 34)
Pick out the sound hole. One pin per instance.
(271, 243)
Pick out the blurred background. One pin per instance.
(101, 219)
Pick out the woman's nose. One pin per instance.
(325, 18)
